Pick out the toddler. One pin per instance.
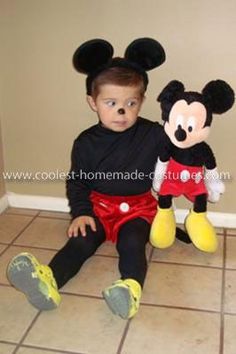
(109, 183)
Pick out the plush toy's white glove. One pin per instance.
(159, 174)
(214, 185)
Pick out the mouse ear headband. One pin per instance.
(96, 56)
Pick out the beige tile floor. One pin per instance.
(188, 304)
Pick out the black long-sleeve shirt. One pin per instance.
(113, 163)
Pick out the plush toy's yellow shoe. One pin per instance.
(163, 228)
(36, 281)
(123, 297)
(201, 231)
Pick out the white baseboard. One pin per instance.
(3, 203)
(37, 202)
(61, 204)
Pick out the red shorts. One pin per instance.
(183, 180)
(114, 211)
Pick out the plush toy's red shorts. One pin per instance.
(183, 180)
(114, 211)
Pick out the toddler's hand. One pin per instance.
(79, 224)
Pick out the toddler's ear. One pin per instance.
(92, 103)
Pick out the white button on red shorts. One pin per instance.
(124, 207)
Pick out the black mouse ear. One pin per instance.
(146, 52)
(169, 93)
(219, 95)
(91, 55)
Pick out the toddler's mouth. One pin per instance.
(120, 122)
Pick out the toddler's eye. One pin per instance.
(131, 103)
(110, 103)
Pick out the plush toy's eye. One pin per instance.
(191, 124)
(179, 121)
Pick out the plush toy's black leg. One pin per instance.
(165, 201)
(182, 235)
(200, 206)
(200, 203)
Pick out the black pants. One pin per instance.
(131, 246)
(131, 243)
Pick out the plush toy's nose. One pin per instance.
(121, 111)
(180, 134)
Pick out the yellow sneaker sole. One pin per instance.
(23, 275)
(118, 300)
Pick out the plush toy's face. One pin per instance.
(185, 126)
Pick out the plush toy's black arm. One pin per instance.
(165, 147)
(210, 161)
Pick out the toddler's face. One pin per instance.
(117, 106)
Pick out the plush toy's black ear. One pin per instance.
(219, 95)
(169, 93)
(92, 55)
(146, 52)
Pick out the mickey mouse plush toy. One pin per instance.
(187, 165)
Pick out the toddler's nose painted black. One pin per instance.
(121, 111)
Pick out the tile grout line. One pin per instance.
(54, 217)
(96, 297)
(2, 341)
(20, 214)
(33, 247)
(230, 313)
(21, 345)
(150, 255)
(57, 351)
(6, 285)
(43, 248)
(146, 304)
(18, 235)
(26, 332)
(188, 265)
(38, 215)
(111, 256)
(221, 349)
(124, 335)
(105, 255)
